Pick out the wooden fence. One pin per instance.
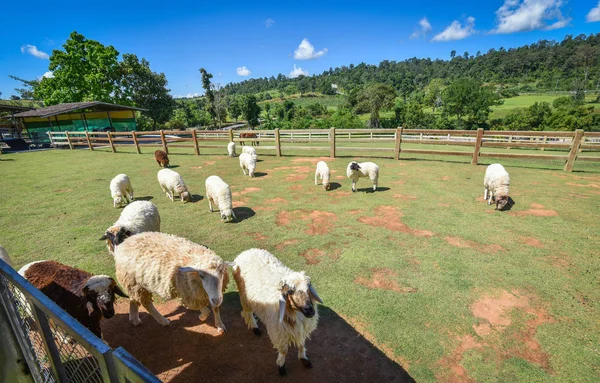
(566, 146)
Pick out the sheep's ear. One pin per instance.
(90, 307)
(187, 269)
(119, 292)
(314, 294)
(103, 238)
(282, 304)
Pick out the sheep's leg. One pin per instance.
(375, 179)
(134, 312)
(114, 203)
(490, 199)
(282, 352)
(316, 182)
(353, 185)
(244, 170)
(218, 322)
(149, 306)
(131, 193)
(485, 194)
(204, 313)
(302, 356)
(210, 202)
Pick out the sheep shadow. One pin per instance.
(6, 159)
(196, 198)
(172, 166)
(145, 198)
(242, 213)
(188, 350)
(370, 190)
(334, 186)
(259, 174)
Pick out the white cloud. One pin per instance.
(297, 71)
(243, 71)
(594, 14)
(456, 31)
(48, 74)
(306, 51)
(269, 23)
(425, 28)
(189, 95)
(527, 15)
(32, 50)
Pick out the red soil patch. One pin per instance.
(312, 161)
(465, 243)
(389, 217)
(315, 256)
(444, 204)
(276, 200)
(295, 177)
(191, 351)
(495, 309)
(239, 202)
(385, 279)
(320, 221)
(536, 210)
(558, 262)
(196, 167)
(208, 163)
(405, 197)
(590, 185)
(483, 329)
(354, 212)
(537, 206)
(295, 187)
(286, 243)
(453, 371)
(530, 241)
(245, 191)
(257, 236)
(340, 177)
(446, 178)
(578, 195)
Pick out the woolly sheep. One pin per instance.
(357, 170)
(137, 217)
(231, 149)
(323, 172)
(247, 162)
(250, 150)
(4, 256)
(171, 267)
(120, 188)
(283, 299)
(219, 193)
(496, 186)
(84, 296)
(171, 182)
(162, 158)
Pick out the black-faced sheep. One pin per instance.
(357, 170)
(137, 217)
(162, 158)
(496, 186)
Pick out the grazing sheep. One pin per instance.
(4, 256)
(219, 193)
(162, 158)
(84, 296)
(357, 170)
(231, 149)
(171, 267)
(171, 183)
(137, 217)
(322, 172)
(248, 162)
(283, 299)
(496, 184)
(120, 188)
(250, 150)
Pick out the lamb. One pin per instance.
(4, 256)
(496, 186)
(171, 267)
(323, 172)
(171, 183)
(217, 191)
(86, 297)
(120, 188)
(137, 217)
(357, 170)
(161, 158)
(231, 149)
(248, 162)
(283, 299)
(250, 150)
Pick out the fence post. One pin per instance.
(69, 141)
(87, 137)
(49, 344)
(195, 137)
(277, 143)
(544, 141)
(135, 141)
(230, 132)
(112, 145)
(478, 141)
(574, 150)
(164, 142)
(332, 142)
(398, 143)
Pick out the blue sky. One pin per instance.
(180, 37)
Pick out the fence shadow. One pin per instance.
(189, 351)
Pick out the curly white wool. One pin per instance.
(323, 173)
(137, 217)
(248, 162)
(357, 170)
(250, 150)
(496, 184)
(171, 183)
(218, 192)
(121, 189)
(231, 149)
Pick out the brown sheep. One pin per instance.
(161, 158)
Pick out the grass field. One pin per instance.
(444, 285)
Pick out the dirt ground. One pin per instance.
(191, 351)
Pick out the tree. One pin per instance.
(84, 71)
(250, 110)
(28, 89)
(235, 107)
(433, 93)
(141, 87)
(452, 54)
(468, 98)
(375, 98)
(208, 91)
(219, 103)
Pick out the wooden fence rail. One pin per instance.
(334, 140)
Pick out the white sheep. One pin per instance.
(496, 186)
(357, 170)
(323, 172)
(171, 182)
(283, 299)
(250, 150)
(137, 217)
(248, 162)
(120, 188)
(219, 193)
(4, 256)
(171, 267)
(231, 149)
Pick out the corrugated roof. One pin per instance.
(73, 106)
(13, 108)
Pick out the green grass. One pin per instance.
(331, 102)
(527, 100)
(56, 204)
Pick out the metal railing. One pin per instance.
(56, 347)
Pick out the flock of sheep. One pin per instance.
(149, 262)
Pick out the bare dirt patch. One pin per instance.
(389, 217)
(208, 163)
(537, 206)
(245, 191)
(295, 187)
(590, 185)
(320, 221)
(315, 256)
(354, 212)
(495, 309)
(385, 279)
(239, 202)
(295, 177)
(257, 236)
(276, 200)
(312, 161)
(340, 177)
(286, 243)
(575, 195)
(446, 178)
(403, 197)
(530, 241)
(453, 370)
(196, 167)
(63, 191)
(465, 243)
(444, 204)
(536, 210)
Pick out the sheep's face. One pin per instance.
(118, 201)
(227, 215)
(99, 292)
(211, 278)
(114, 236)
(299, 294)
(185, 196)
(355, 167)
(501, 202)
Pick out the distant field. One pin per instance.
(331, 102)
(526, 100)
